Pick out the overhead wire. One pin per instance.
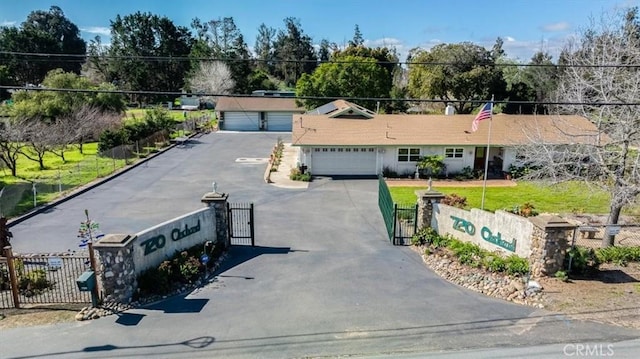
(77, 58)
(330, 98)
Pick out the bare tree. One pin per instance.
(599, 80)
(212, 78)
(40, 138)
(12, 136)
(84, 123)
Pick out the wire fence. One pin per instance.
(82, 165)
(591, 236)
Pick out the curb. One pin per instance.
(87, 187)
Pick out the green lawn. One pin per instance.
(572, 197)
(57, 178)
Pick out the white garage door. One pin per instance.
(279, 121)
(241, 121)
(343, 161)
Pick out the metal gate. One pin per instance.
(406, 218)
(400, 221)
(241, 229)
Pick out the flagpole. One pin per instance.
(486, 161)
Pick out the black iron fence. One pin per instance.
(42, 279)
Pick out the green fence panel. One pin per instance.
(385, 203)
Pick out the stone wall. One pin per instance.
(154, 245)
(543, 240)
(118, 273)
(499, 231)
(551, 238)
(124, 257)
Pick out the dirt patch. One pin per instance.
(611, 296)
(27, 317)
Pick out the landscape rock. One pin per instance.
(497, 285)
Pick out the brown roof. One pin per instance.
(257, 103)
(440, 130)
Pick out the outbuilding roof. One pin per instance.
(257, 103)
(322, 130)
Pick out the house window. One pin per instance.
(340, 149)
(453, 152)
(325, 150)
(332, 150)
(347, 150)
(355, 150)
(408, 154)
(316, 150)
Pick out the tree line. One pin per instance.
(596, 76)
(150, 52)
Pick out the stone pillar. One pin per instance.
(218, 202)
(549, 245)
(118, 272)
(426, 199)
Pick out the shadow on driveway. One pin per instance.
(240, 254)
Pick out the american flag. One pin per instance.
(485, 113)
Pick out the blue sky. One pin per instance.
(525, 25)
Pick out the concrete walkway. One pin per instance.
(289, 161)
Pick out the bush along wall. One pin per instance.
(184, 270)
(583, 261)
(472, 267)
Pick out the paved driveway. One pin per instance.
(324, 281)
(162, 188)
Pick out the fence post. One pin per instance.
(13, 277)
(395, 220)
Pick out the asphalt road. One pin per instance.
(323, 281)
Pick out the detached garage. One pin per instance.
(256, 113)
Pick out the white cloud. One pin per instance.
(383, 42)
(509, 39)
(523, 50)
(7, 23)
(555, 27)
(99, 30)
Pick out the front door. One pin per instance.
(478, 163)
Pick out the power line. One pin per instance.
(81, 58)
(328, 98)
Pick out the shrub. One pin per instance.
(494, 263)
(525, 210)
(455, 200)
(389, 173)
(184, 267)
(466, 174)
(562, 275)
(516, 265)
(425, 235)
(432, 165)
(155, 280)
(618, 255)
(297, 175)
(33, 282)
(467, 252)
(582, 260)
